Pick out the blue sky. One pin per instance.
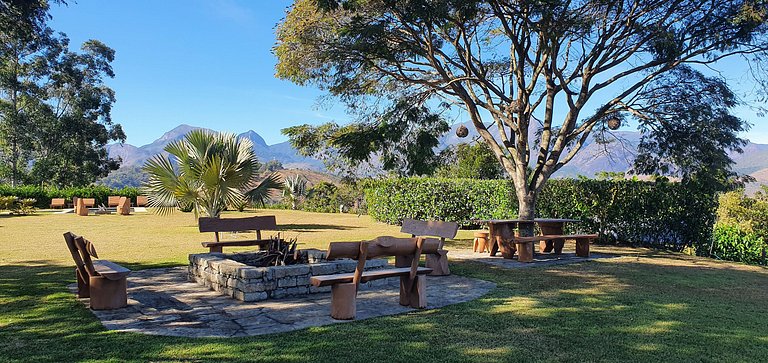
(209, 64)
(202, 63)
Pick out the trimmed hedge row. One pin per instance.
(662, 215)
(43, 195)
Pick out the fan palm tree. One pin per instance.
(295, 189)
(209, 171)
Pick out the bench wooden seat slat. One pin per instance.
(327, 280)
(554, 236)
(110, 270)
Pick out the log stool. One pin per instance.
(481, 242)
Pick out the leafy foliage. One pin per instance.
(294, 190)
(689, 139)
(403, 139)
(55, 108)
(532, 67)
(664, 215)
(475, 161)
(210, 171)
(327, 197)
(17, 206)
(742, 227)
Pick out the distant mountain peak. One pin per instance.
(254, 137)
(177, 132)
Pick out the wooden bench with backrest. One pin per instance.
(438, 262)
(113, 200)
(257, 224)
(344, 287)
(104, 282)
(57, 203)
(141, 200)
(524, 245)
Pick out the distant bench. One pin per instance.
(257, 224)
(413, 283)
(524, 245)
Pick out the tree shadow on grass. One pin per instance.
(651, 309)
(311, 227)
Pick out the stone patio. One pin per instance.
(539, 259)
(163, 302)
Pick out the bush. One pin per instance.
(742, 228)
(666, 215)
(17, 206)
(323, 197)
(43, 195)
(733, 243)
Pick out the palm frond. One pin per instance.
(259, 195)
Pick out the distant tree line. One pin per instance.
(55, 109)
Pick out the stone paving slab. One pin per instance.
(163, 302)
(539, 259)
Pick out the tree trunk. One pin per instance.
(526, 210)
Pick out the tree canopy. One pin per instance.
(563, 69)
(55, 108)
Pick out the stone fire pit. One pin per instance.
(231, 275)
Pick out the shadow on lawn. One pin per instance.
(310, 227)
(612, 311)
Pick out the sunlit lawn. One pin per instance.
(644, 306)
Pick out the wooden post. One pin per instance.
(108, 294)
(525, 252)
(555, 228)
(343, 305)
(582, 247)
(418, 293)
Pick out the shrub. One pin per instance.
(17, 206)
(732, 242)
(666, 215)
(323, 197)
(742, 228)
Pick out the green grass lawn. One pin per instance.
(644, 306)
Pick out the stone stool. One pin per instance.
(481, 242)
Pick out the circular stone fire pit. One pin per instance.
(231, 275)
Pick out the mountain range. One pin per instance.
(283, 152)
(616, 156)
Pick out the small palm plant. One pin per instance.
(295, 189)
(209, 171)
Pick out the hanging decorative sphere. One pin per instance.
(462, 131)
(614, 123)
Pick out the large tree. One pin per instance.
(55, 109)
(559, 68)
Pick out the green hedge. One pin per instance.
(666, 215)
(43, 195)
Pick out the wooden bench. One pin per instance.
(257, 224)
(524, 245)
(142, 200)
(113, 200)
(413, 283)
(104, 282)
(438, 262)
(57, 203)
